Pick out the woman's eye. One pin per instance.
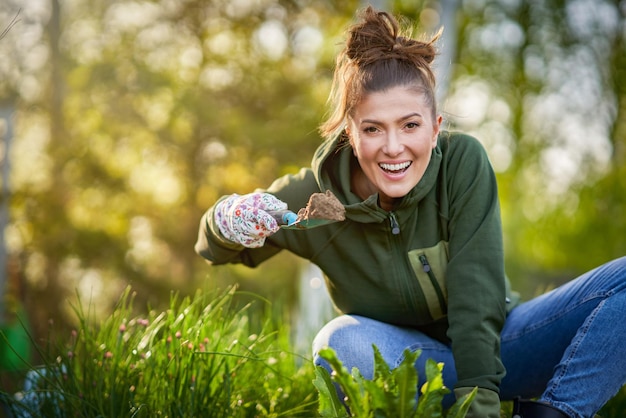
(370, 130)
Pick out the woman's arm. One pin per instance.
(476, 279)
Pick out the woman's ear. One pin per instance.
(349, 136)
(351, 143)
(436, 128)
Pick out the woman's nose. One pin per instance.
(393, 146)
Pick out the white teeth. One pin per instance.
(395, 167)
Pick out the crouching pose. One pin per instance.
(418, 261)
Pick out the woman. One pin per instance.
(418, 262)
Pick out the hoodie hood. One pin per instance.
(331, 165)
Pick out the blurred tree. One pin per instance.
(134, 116)
(541, 84)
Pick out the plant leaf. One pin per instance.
(405, 377)
(433, 390)
(349, 383)
(381, 368)
(329, 403)
(462, 405)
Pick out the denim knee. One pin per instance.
(347, 336)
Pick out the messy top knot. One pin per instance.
(378, 56)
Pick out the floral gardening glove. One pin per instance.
(244, 220)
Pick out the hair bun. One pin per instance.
(377, 57)
(378, 37)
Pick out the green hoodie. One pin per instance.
(435, 262)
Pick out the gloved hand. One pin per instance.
(243, 219)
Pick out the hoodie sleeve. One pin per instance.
(476, 279)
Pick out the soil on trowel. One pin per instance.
(323, 206)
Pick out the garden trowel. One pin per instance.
(289, 220)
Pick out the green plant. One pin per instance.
(201, 357)
(616, 407)
(211, 355)
(389, 393)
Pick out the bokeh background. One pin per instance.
(122, 121)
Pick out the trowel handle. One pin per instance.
(284, 216)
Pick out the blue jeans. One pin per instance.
(566, 347)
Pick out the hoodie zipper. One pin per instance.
(433, 280)
(398, 270)
(395, 226)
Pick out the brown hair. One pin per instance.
(377, 56)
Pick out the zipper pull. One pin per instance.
(395, 227)
(425, 264)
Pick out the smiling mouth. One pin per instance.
(395, 168)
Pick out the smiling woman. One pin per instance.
(418, 262)
(393, 135)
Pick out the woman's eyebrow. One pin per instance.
(400, 119)
(409, 116)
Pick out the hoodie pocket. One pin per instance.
(429, 265)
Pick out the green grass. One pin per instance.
(201, 357)
(211, 355)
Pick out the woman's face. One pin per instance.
(392, 133)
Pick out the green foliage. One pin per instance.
(146, 112)
(391, 393)
(615, 407)
(560, 175)
(205, 357)
(201, 357)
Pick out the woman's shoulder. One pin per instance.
(458, 147)
(454, 141)
(295, 188)
(463, 154)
